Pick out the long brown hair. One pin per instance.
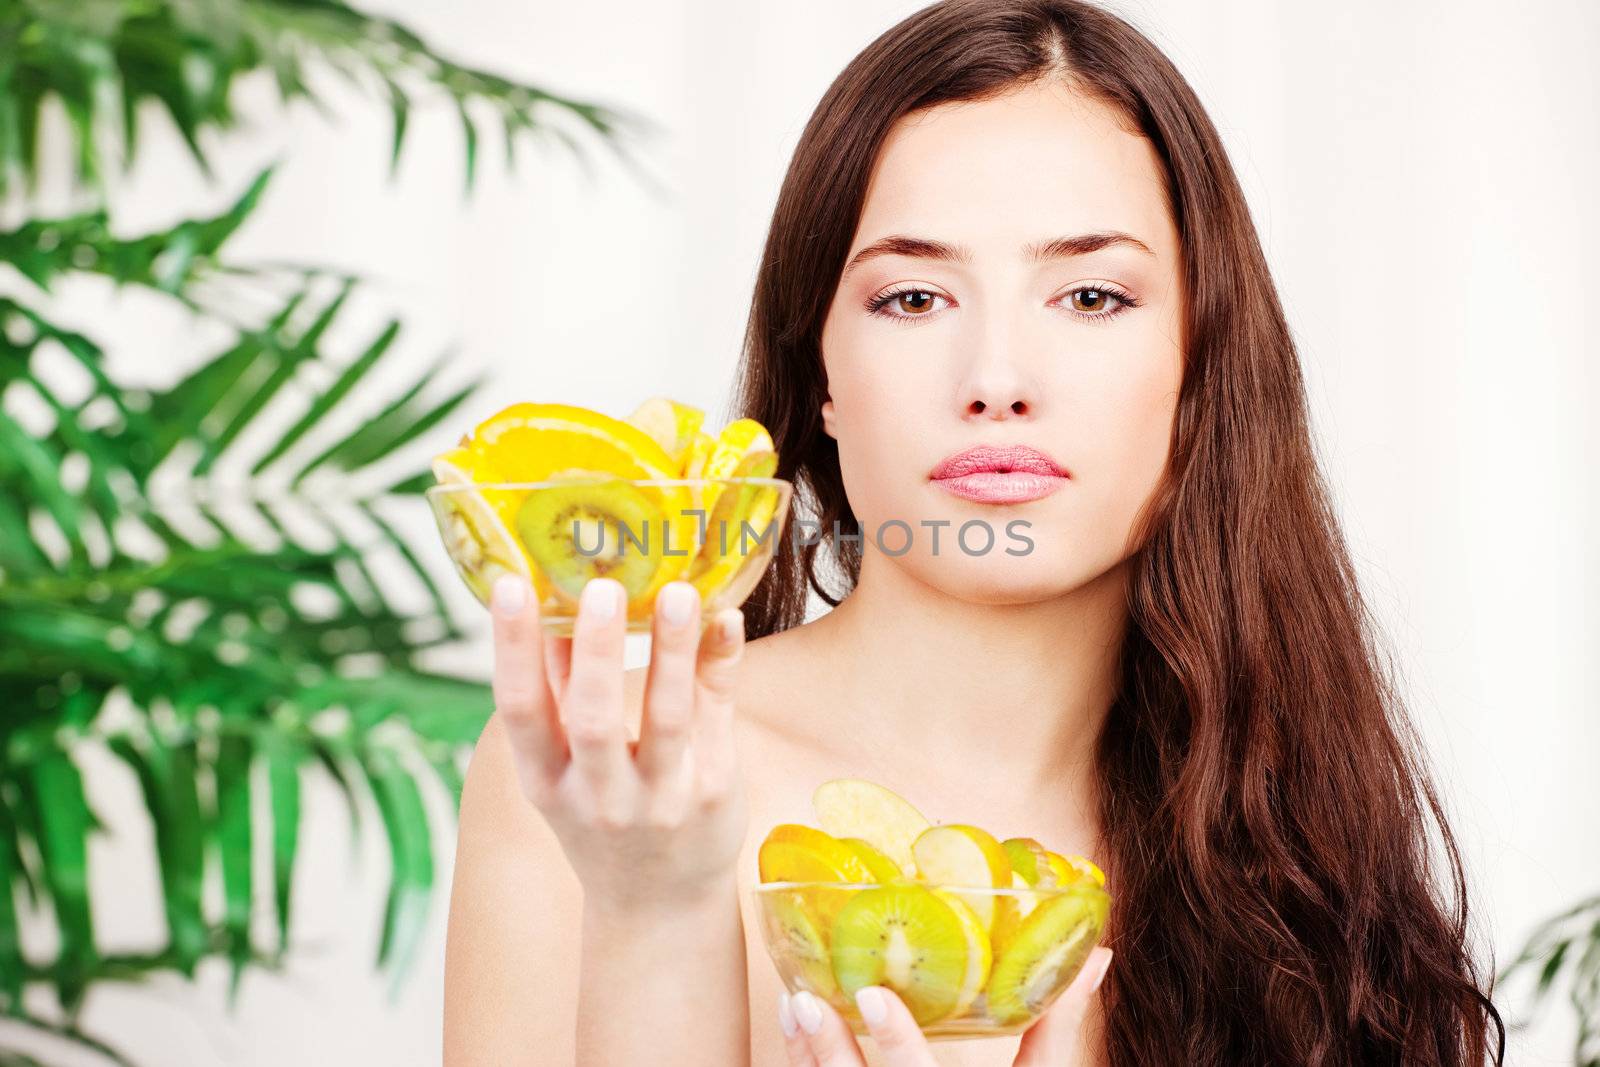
(1265, 801)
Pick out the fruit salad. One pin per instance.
(976, 935)
(561, 494)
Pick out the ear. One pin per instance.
(827, 418)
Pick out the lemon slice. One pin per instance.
(475, 525)
(737, 525)
(694, 459)
(737, 441)
(980, 954)
(1069, 868)
(672, 425)
(694, 466)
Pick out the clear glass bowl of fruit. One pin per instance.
(978, 936)
(561, 494)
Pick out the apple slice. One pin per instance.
(957, 855)
(674, 426)
(854, 807)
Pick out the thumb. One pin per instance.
(1057, 1039)
(717, 663)
(717, 675)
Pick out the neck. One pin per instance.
(934, 685)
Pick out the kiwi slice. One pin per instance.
(1044, 954)
(593, 528)
(906, 938)
(797, 935)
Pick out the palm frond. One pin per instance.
(1566, 947)
(189, 573)
(232, 649)
(104, 59)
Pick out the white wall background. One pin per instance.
(1422, 176)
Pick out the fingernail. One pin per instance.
(874, 1009)
(786, 1016)
(509, 594)
(731, 628)
(599, 599)
(677, 599)
(1101, 977)
(807, 1011)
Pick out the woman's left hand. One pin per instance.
(817, 1036)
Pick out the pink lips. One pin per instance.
(993, 474)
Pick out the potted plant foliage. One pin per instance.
(137, 614)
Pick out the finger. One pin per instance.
(716, 689)
(521, 696)
(795, 1044)
(826, 1032)
(592, 707)
(894, 1028)
(1058, 1039)
(669, 693)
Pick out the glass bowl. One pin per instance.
(988, 971)
(718, 534)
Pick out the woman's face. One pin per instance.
(1077, 355)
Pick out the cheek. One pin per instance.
(1123, 439)
(883, 419)
(880, 397)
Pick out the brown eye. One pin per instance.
(1090, 300)
(915, 301)
(1098, 303)
(907, 304)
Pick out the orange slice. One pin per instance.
(529, 442)
(794, 852)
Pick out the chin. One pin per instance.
(1000, 579)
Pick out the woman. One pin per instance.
(1009, 223)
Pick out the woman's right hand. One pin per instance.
(648, 823)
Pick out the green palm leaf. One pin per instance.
(220, 640)
(103, 59)
(1566, 947)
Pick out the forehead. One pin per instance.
(1035, 162)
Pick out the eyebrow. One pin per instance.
(1038, 252)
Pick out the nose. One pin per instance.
(996, 389)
